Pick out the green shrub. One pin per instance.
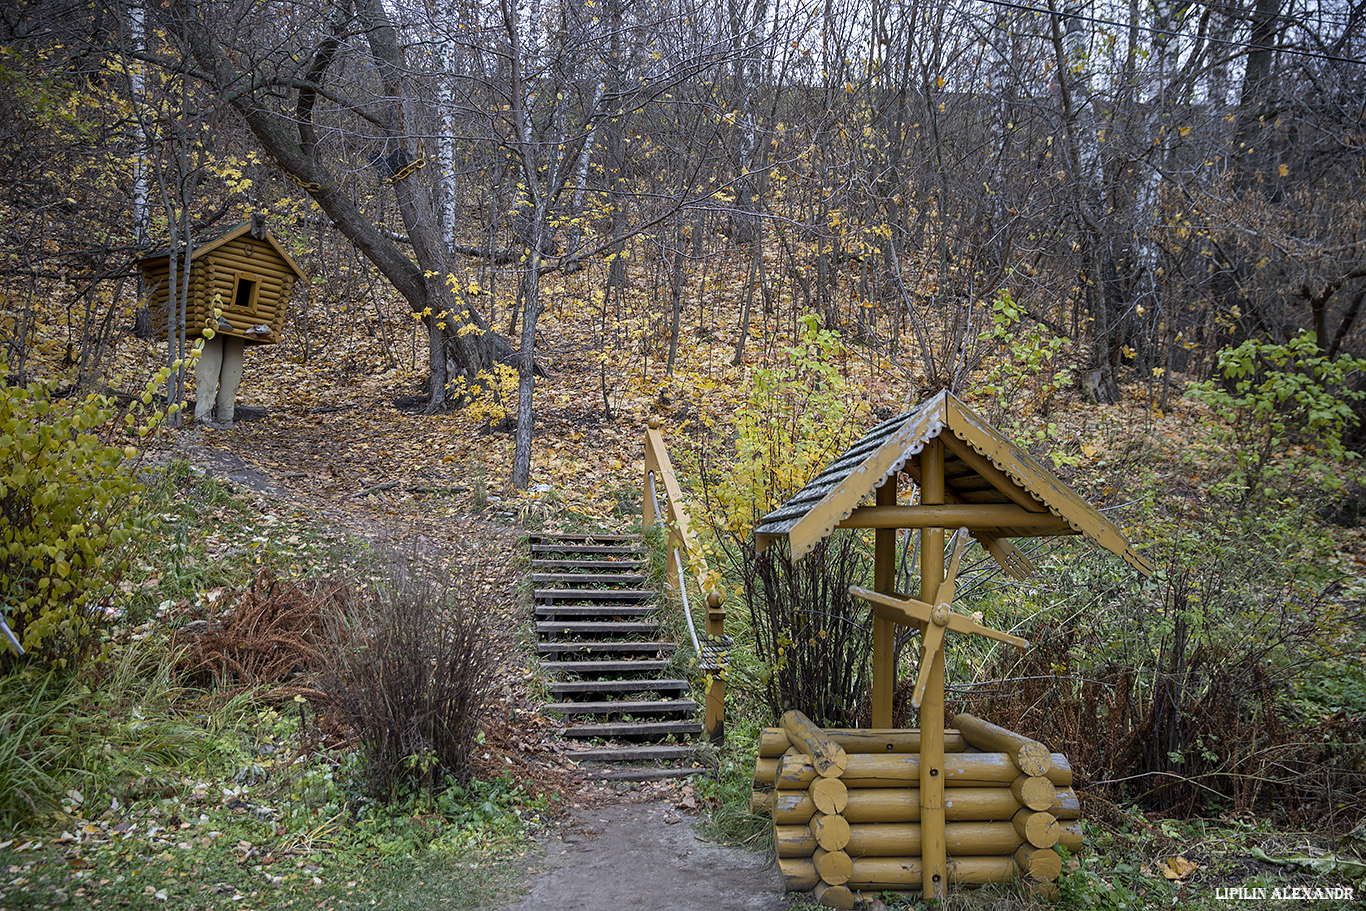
(800, 414)
(812, 636)
(1285, 409)
(67, 506)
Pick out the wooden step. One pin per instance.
(644, 753)
(594, 594)
(563, 689)
(543, 537)
(624, 707)
(634, 729)
(596, 627)
(582, 647)
(605, 667)
(597, 611)
(600, 549)
(549, 562)
(589, 578)
(610, 773)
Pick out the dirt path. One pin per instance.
(617, 851)
(646, 856)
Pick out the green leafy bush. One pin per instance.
(67, 507)
(800, 414)
(1285, 409)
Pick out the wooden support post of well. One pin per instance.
(1029, 756)
(884, 631)
(715, 710)
(934, 874)
(827, 756)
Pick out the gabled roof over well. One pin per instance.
(1005, 490)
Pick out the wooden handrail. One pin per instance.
(659, 472)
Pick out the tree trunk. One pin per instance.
(288, 139)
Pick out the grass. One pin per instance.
(123, 786)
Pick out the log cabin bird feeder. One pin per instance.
(974, 480)
(243, 271)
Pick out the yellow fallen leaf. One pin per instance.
(1177, 868)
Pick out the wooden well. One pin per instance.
(244, 272)
(960, 473)
(846, 807)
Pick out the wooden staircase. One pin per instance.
(599, 641)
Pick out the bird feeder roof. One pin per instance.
(983, 471)
(206, 245)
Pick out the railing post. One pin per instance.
(712, 657)
(648, 517)
(715, 717)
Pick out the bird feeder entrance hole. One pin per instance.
(973, 479)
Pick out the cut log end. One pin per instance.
(834, 896)
(833, 867)
(1038, 864)
(1034, 792)
(1038, 828)
(830, 795)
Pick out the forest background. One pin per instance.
(1131, 235)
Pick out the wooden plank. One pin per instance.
(877, 874)
(622, 707)
(634, 729)
(589, 578)
(605, 667)
(985, 517)
(599, 549)
(960, 838)
(902, 770)
(598, 594)
(586, 627)
(561, 688)
(774, 741)
(643, 753)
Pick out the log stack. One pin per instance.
(845, 806)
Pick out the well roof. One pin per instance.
(986, 469)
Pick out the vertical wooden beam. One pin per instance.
(884, 631)
(933, 851)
